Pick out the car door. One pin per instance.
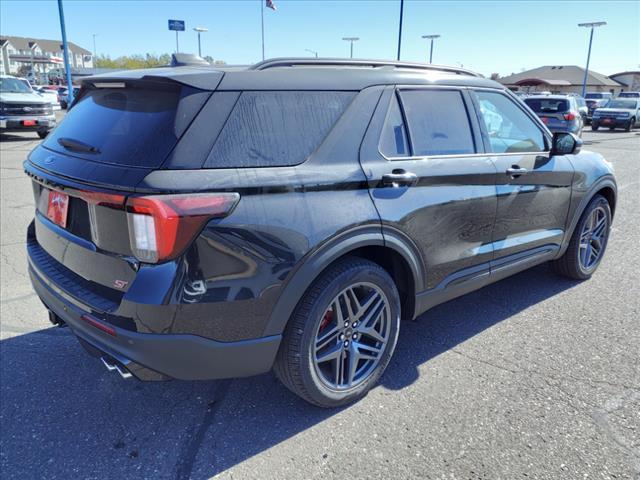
(533, 187)
(430, 181)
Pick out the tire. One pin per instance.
(298, 364)
(43, 134)
(572, 264)
(629, 127)
(594, 127)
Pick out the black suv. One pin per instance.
(201, 223)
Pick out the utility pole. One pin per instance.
(95, 53)
(591, 25)
(312, 52)
(65, 50)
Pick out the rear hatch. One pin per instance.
(86, 170)
(554, 112)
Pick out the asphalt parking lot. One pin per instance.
(532, 377)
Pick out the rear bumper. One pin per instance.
(158, 356)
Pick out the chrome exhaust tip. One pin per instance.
(112, 365)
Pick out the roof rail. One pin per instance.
(342, 62)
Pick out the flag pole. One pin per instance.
(262, 22)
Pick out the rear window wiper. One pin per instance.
(77, 146)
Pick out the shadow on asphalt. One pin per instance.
(7, 137)
(62, 415)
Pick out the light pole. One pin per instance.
(200, 30)
(351, 40)
(95, 53)
(591, 25)
(65, 52)
(311, 51)
(431, 37)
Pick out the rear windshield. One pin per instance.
(133, 126)
(547, 105)
(596, 95)
(276, 128)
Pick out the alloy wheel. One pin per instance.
(352, 336)
(593, 238)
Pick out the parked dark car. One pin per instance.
(617, 113)
(560, 113)
(592, 105)
(201, 223)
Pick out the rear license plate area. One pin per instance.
(58, 208)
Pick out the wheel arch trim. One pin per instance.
(320, 258)
(602, 183)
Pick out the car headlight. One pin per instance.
(624, 114)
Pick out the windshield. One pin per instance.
(621, 104)
(547, 105)
(13, 85)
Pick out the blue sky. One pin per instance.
(486, 36)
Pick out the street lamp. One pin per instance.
(431, 37)
(351, 40)
(200, 30)
(312, 52)
(591, 25)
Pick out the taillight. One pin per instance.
(161, 227)
(570, 116)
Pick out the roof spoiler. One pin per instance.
(186, 59)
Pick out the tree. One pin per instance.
(148, 60)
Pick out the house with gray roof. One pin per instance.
(560, 79)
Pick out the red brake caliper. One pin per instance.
(326, 320)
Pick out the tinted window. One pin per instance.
(508, 127)
(393, 142)
(547, 105)
(438, 122)
(269, 129)
(128, 126)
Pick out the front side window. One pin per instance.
(509, 128)
(393, 142)
(276, 128)
(438, 122)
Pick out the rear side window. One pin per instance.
(547, 105)
(276, 128)
(438, 122)
(393, 142)
(133, 126)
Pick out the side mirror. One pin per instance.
(583, 110)
(566, 144)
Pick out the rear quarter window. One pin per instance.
(276, 128)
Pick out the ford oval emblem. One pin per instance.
(49, 160)
(27, 109)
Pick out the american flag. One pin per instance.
(270, 4)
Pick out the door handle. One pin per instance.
(399, 178)
(516, 171)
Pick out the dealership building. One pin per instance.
(40, 56)
(563, 79)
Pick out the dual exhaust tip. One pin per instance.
(112, 365)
